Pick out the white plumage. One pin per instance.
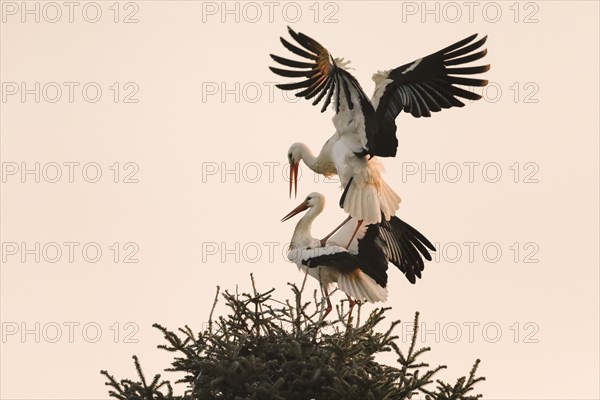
(305, 249)
(365, 127)
(369, 195)
(356, 261)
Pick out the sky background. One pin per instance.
(156, 144)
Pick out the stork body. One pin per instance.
(367, 127)
(359, 268)
(367, 197)
(332, 263)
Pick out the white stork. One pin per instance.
(360, 270)
(367, 127)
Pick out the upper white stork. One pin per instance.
(360, 269)
(367, 127)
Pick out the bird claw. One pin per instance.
(323, 242)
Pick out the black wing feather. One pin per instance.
(467, 81)
(296, 50)
(342, 260)
(291, 63)
(426, 85)
(314, 88)
(292, 74)
(405, 247)
(329, 78)
(323, 92)
(467, 59)
(373, 258)
(466, 49)
(468, 70)
(421, 88)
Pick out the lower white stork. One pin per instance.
(359, 269)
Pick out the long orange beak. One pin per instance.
(294, 179)
(297, 210)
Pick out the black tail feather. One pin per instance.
(343, 198)
(406, 247)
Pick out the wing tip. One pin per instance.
(470, 38)
(483, 37)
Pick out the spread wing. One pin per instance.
(426, 85)
(429, 84)
(371, 257)
(375, 245)
(405, 247)
(325, 79)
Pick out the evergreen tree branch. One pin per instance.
(271, 349)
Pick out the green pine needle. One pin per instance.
(271, 349)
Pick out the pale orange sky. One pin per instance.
(188, 110)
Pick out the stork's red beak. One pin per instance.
(297, 210)
(294, 178)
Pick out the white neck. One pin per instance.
(302, 236)
(308, 157)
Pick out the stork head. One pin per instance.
(314, 200)
(294, 157)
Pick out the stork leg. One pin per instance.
(360, 303)
(360, 221)
(329, 306)
(351, 304)
(326, 238)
